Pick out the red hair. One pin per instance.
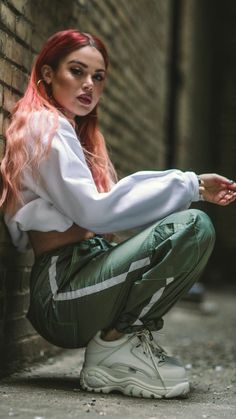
(37, 98)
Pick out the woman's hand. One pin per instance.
(217, 189)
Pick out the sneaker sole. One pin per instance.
(98, 381)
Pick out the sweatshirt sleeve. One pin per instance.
(66, 182)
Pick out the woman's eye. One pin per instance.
(77, 71)
(98, 77)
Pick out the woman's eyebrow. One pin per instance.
(84, 65)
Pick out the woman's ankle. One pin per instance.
(111, 335)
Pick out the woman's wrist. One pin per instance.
(200, 186)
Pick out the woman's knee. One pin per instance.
(203, 229)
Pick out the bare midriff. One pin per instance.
(52, 240)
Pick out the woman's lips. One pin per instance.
(85, 99)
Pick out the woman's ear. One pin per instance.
(47, 73)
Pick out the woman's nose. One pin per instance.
(88, 83)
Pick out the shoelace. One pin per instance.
(152, 348)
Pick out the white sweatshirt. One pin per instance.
(65, 194)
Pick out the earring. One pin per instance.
(39, 81)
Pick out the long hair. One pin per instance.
(37, 99)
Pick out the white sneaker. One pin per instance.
(134, 365)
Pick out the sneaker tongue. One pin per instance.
(158, 351)
(150, 346)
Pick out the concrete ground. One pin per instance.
(203, 336)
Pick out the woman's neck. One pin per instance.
(68, 115)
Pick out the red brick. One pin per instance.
(22, 261)
(22, 6)
(7, 17)
(5, 71)
(17, 304)
(1, 122)
(17, 281)
(6, 122)
(1, 95)
(16, 52)
(4, 235)
(9, 99)
(23, 30)
(2, 146)
(19, 80)
(16, 329)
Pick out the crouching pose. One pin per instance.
(61, 197)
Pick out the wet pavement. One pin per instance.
(203, 336)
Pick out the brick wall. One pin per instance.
(134, 106)
(133, 114)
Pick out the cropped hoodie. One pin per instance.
(64, 193)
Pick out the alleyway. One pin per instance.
(204, 337)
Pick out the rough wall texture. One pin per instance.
(224, 130)
(193, 99)
(205, 111)
(133, 113)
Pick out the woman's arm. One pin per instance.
(66, 183)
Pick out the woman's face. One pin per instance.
(78, 82)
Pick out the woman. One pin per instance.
(60, 196)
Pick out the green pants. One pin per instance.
(82, 288)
